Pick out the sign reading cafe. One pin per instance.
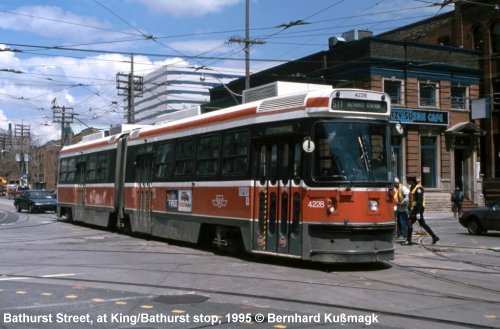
(410, 116)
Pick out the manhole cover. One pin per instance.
(181, 299)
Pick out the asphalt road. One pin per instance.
(54, 274)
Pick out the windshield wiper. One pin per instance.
(364, 158)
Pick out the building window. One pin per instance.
(496, 93)
(444, 40)
(495, 37)
(395, 89)
(478, 36)
(459, 97)
(428, 94)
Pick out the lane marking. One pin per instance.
(14, 278)
(58, 275)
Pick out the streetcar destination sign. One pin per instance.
(358, 105)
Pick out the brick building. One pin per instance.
(472, 25)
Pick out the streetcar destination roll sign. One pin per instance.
(358, 105)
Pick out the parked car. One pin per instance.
(35, 200)
(16, 190)
(482, 219)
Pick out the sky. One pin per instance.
(64, 53)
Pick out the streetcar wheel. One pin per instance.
(475, 227)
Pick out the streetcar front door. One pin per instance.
(277, 198)
(79, 211)
(144, 175)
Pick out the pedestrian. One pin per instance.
(457, 197)
(417, 207)
(403, 206)
(396, 192)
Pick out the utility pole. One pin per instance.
(131, 86)
(22, 132)
(247, 42)
(59, 115)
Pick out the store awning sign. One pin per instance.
(411, 116)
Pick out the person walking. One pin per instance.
(417, 207)
(397, 195)
(404, 202)
(457, 197)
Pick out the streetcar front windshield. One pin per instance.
(351, 152)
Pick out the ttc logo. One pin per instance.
(219, 201)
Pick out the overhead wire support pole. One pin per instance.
(247, 42)
(131, 113)
(22, 131)
(127, 85)
(61, 116)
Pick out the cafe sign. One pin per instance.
(411, 116)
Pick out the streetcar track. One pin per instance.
(453, 259)
(407, 289)
(413, 269)
(301, 302)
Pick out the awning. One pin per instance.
(465, 128)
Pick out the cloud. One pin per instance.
(88, 85)
(4, 122)
(188, 7)
(53, 22)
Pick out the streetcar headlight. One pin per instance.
(373, 205)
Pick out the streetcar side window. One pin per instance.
(207, 157)
(102, 168)
(165, 160)
(235, 153)
(91, 168)
(70, 177)
(67, 170)
(184, 158)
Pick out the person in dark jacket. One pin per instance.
(417, 207)
(457, 197)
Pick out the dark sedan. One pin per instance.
(482, 219)
(35, 201)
